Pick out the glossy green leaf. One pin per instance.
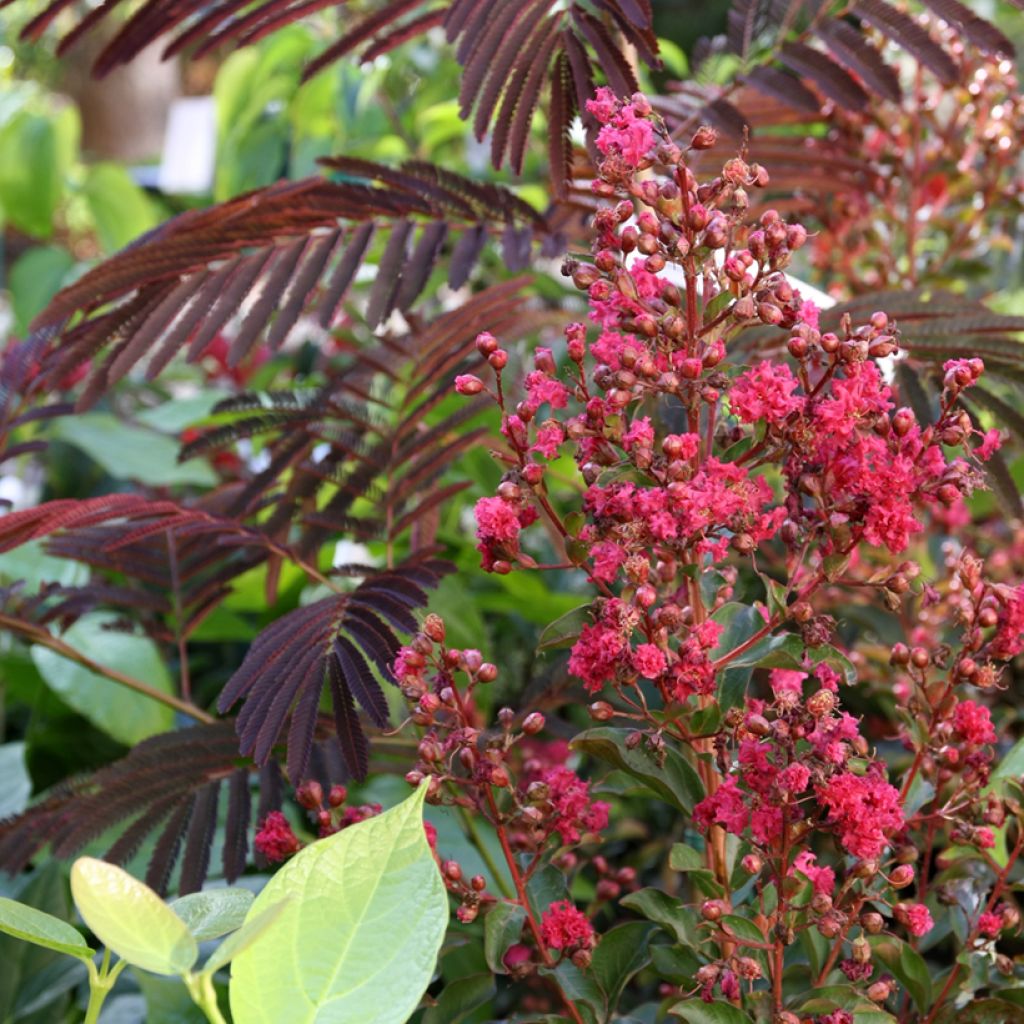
(503, 927)
(41, 929)
(674, 780)
(696, 1011)
(213, 913)
(657, 906)
(130, 919)
(565, 630)
(359, 939)
(460, 998)
(621, 952)
(907, 966)
(128, 716)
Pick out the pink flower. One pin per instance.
(726, 807)
(596, 655)
(542, 389)
(916, 917)
(649, 661)
(787, 680)
(626, 129)
(607, 558)
(550, 436)
(864, 809)
(1008, 641)
(990, 444)
(562, 926)
(823, 879)
(973, 723)
(275, 840)
(794, 778)
(573, 811)
(765, 393)
(990, 925)
(808, 314)
(496, 520)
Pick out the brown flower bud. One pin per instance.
(712, 910)
(872, 922)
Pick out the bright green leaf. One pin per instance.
(130, 919)
(41, 929)
(35, 278)
(236, 943)
(907, 965)
(360, 937)
(130, 453)
(122, 713)
(120, 209)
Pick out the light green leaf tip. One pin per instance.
(130, 919)
(35, 926)
(213, 913)
(360, 937)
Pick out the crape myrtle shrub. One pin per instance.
(812, 880)
(760, 782)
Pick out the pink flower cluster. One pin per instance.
(573, 812)
(565, 928)
(865, 810)
(625, 127)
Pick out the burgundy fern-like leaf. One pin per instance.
(907, 33)
(826, 74)
(329, 642)
(178, 286)
(852, 49)
(983, 34)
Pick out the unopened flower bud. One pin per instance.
(712, 910)
(872, 922)
(337, 796)
(821, 703)
(309, 795)
(533, 723)
(601, 711)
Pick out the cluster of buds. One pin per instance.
(276, 840)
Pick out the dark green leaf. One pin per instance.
(696, 1011)
(619, 955)
(460, 998)
(675, 781)
(503, 927)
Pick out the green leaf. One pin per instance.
(696, 1011)
(120, 209)
(983, 1011)
(30, 173)
(15, 785)
(241, 940)
(621, 952)
(41, 929)
(34, 979)
(130, 919)
(1012, 765)
(581, 988)
(670, 913)
(213, 913)
(122, 713)
(503, 927)
(35, 278)
(167, 1000)
(360, 936)
(675, 781)
(564, 631)
(127, 452)
(686, 859)
(460, 998)
(907, 965)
